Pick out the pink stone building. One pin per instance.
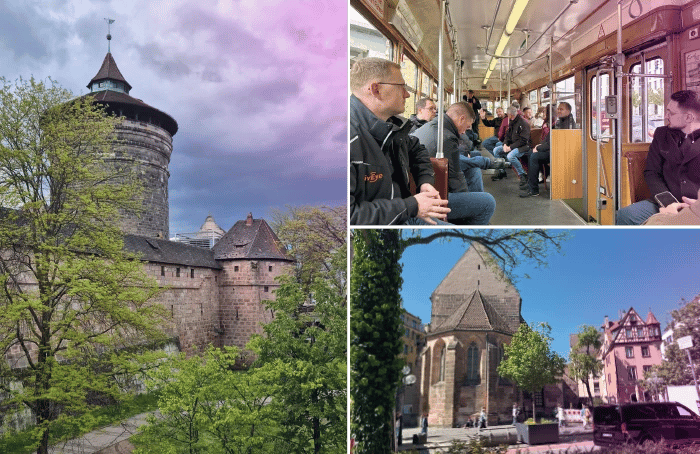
(631, 346)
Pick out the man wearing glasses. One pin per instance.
(426, 110)
(673, 163)
(382, 153)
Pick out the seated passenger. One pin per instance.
(527, 115)
(540, 154)
(469, 204)
(425, 111)
(490, 142)
(516, 143)
(673, 161)
(685, 213)
(382, 153)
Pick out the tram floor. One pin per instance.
(511, 209)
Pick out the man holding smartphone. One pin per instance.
(673, 162)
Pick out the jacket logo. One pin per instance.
(374, 177)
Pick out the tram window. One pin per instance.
(566, 92)
(544, 94)
(425, 85)
(605, 121)
(649, 94)
(532, 96)
(435, 93)
(409, 71)
(366, 40)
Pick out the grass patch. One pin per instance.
(24, 442)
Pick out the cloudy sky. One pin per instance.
(259, 90)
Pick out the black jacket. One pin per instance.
(673, 163)
(518, 134)
(417, 122)
(381, 156)
(562, 123)
(427, 134)
(495, 123)
(567, 122)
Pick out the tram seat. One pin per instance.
(535, 137)
(440, 167)
(636, 163)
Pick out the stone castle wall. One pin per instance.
(244, 285)
(145, 149)
(192, 299)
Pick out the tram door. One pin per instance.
(644, 105)
(600, 170)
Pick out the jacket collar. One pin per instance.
(363, 118)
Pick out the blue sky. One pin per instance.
(598, 273)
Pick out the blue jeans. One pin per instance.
(512, 156)
(471, 167)
(636, 213)
(470, 208)
(491, 143)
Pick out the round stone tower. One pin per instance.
(144, 142)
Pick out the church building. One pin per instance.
(475, 312)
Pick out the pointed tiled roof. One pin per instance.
(109, 70)
(651, 320)
(475, 314)
(250, 239)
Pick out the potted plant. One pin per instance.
(531, 364)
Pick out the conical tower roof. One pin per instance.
(109, 71)
(250, 239)
(109, 87)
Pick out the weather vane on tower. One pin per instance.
(109, 36)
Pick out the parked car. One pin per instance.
(639, 422)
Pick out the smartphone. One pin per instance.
(664, 199)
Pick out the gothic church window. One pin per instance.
(473, 365)
(442, 364)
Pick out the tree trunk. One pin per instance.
(588, 388)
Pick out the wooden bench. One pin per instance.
(636, 163)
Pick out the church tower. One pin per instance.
(143, 143)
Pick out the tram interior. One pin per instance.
(617, 60)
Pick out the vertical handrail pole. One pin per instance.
(441, 92)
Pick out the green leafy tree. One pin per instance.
(74, 306)
(583, 357)
(311, 233)
(675, 369)
(294, 394)
(208, 407)
(305, 344)
(529, 362)
(375, 311)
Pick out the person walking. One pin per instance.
(560, 415)
(482, 418)
(515, 413)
